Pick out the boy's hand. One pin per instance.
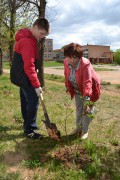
(38, 91)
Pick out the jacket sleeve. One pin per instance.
(65, 72)
(28, 52)
(87, 80)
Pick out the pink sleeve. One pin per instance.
(87, 80)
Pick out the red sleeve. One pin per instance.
(87, 80)
(28, 52)
(65, 74)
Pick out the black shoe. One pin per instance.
(35, 128)
(34, 135)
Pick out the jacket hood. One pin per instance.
(23, 33)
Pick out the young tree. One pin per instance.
(117, 56)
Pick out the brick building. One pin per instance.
(98, 53)
(48, 50)
(58, 55)
(95, 53)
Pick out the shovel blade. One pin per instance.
(52, 131)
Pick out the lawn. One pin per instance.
(6, 64)
(52, 64)
(70, 159)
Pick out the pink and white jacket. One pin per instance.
(86, 78)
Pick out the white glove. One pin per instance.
(38, 91)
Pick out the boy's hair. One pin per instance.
(42, 23)
(73, 50)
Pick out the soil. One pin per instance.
(54, 134)
(73, 155)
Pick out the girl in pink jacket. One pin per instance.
(82, 82)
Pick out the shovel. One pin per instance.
(51, 127)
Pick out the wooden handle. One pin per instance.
(45, 111)
(41, 96)
(42, 102)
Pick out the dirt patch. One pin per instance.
(74, 155)
(107, 76)
(12, 158)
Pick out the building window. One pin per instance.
(85, 55)
(49, 43)
(57, 55)
(49, 50)
(85, 50)
(45, 55)
(49, 55)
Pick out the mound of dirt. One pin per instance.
(73, 155)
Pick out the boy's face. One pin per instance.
(39, 33)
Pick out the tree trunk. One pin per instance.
(12, 31)
(41, 47)
(1, 15)
(1, 67)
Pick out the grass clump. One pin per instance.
(53, 77)
(32, 164)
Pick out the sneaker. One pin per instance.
(35, 128)
(76, 132)
(34, 135)
(84, 135)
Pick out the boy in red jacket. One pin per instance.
(82, 82)
(23, 72)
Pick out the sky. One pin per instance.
(95, 22)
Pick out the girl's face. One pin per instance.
(73, 61)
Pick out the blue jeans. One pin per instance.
(29, 107)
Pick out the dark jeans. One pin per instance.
(29, 107)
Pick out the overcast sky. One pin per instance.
(95, 22)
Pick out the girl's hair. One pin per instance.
(42, 23)
(73, 50)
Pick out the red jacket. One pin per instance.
(26, 46)
(86, 78)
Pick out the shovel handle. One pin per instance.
(42, 102)
(44, 110)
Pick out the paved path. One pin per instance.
(107, 76)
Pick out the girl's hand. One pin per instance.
(86, 109)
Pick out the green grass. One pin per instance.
(6, 65)
(104, 69)
(54, 77)
(52, 64)
(95, 158)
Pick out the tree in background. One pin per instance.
(12, 21)
(2, 36)
(19, 14)
(9, 21)
(39, 7)
(117, 56)
(41, 10)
